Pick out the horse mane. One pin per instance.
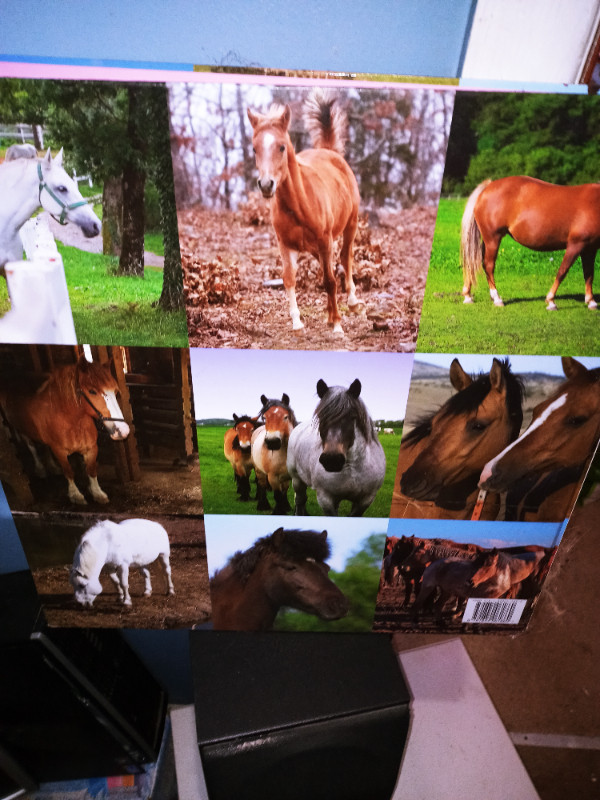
(337, 404)
(270, 403)
(471, 397)
(88, 555)
(295, 545)
(246, 418)
(325, 121)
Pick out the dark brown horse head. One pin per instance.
(270, 141)
(563, 433)
(279, 420)
(339, 415)
(453, 444)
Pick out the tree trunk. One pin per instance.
(131, 261)
(112, 217)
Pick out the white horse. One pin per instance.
(28, 183)
(131, 543)
(337, 453)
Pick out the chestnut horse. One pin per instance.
(538, 215)
(237, 449)
(62, 414)
(286, 568)
(269, 453)
(551, 457)
(337, 453)
(441, 459)
(315, 195)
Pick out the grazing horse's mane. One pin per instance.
(336, 405)
(295, 545)
(471, 397)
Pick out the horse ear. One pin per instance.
(321, 388)
(47, 159)
(323, 535)
(277, 537)
(354, 389)
(264, 399)
(571, 367)
(286, 117)
(497, 376)
(253, 117)
(82, 363)
(58, 158)
(285, 399)
(235, 417)
(458, 377)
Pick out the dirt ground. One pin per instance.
(189, 606)
(231, 260)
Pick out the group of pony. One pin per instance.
(437, 572)
(469, 460)
(337, 453)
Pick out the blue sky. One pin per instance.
(474, 363)
(485, 534)
(228, 381)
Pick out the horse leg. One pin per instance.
(489, 263)
(89, 456)
(115, 579)
(123, 576)
(300, 497)
(290, 267)
(587, 262)
(328, 503)
(280, 489)
(74, 494)
(166, 566)
(347, 259)
(147, 582)
(334, 319)
(573, 250)
(262, 503)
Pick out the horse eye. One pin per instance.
(476, 425)
(282, 148)
(93, 391)
(254, 150)
(575, 422)
(61, 188)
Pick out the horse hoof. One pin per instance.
(299, 331)
(592, 305)
(551, 306)
(357, 308)
(468, 300)
(499, 303)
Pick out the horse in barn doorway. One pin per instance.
(441, 459)
(269, 453)
(286, 568)
(237, 447)
(338, 453)
(314, 195)
(537, 215)
(541, 470)
(62, 414)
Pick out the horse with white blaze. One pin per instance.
(119, 546)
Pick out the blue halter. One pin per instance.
(64, 206)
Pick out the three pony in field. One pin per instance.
(286, 568)
(26, 183)
(62, 414)
(132, 543)
(314, 195)
(538, 215)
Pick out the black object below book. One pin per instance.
(74, 703)
(288, 716)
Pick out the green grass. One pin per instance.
(523, 279)
(153, 243)
(218, 485)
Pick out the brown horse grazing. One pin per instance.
(315, 195)
(62, 414)
(286, 568)
(538, 215)
(237, 449)
(269, 453)
(441, 459)
(549, 460)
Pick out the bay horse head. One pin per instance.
(96, 389)
(270, 141)
(244, 427)
(339, 415)
(563, 433)
(470, 428)
(279, 421)
(59, 195)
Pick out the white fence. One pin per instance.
(40, 307)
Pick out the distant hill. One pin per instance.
(205, 423)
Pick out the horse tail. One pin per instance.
(471, 247)
(325, 121)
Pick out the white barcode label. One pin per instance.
(494, 612)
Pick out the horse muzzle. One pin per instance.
(332, 462)
(335, 608)
(118, 431)
(273, 444)
(267, 187)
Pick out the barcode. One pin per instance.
(494, 612)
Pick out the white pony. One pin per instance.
(28, 183)
(131, 543)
